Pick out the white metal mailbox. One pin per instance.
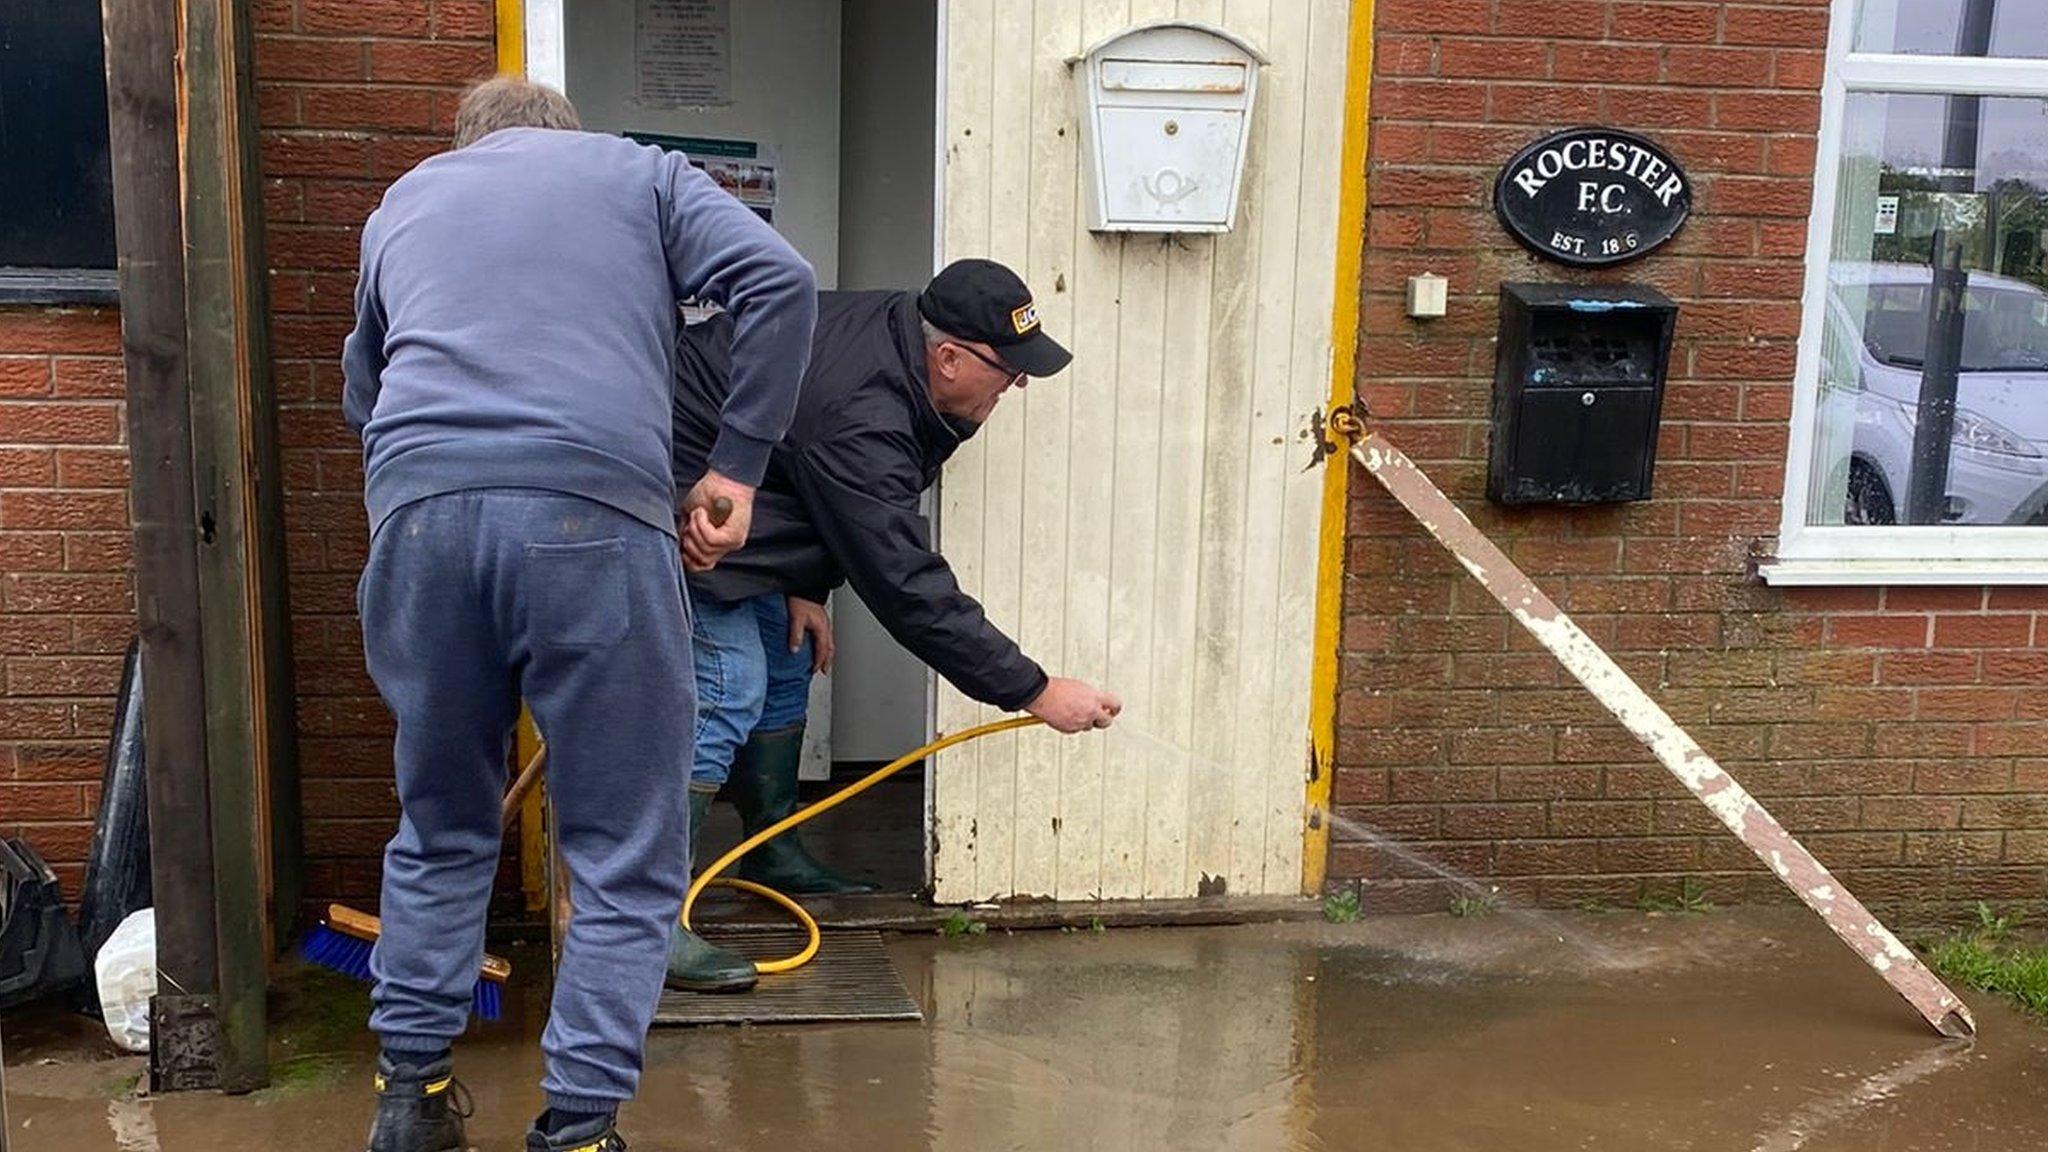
(1166, 112)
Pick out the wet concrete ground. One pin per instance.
(1749, 1030)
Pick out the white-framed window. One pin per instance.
(1919, 440)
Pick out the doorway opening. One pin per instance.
(821, 115)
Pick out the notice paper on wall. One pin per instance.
(745, 169)
(682, 53)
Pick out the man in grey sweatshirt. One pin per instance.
(510, 375)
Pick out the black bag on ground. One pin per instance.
(117, 867)
(39, 953)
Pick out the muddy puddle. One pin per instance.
(1751, 1031)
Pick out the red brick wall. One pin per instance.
(352, 93)
(1903, 732)
(66, 585)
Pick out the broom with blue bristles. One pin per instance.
(344, 940)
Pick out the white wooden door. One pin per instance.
(1148, 520)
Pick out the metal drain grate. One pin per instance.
(852, 978)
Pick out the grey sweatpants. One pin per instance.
(469, 602)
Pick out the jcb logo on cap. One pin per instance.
(1025, 319)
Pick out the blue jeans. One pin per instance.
(470, 601)
(747, 679)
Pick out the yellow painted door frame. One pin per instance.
(1329, 626)
(511, 37)
(533, 845)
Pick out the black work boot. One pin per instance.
(694, 963)
(420, 1108)
(763, 786)
(600, 1134)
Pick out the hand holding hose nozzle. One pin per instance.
(1070, 706)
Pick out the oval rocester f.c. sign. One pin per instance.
(1590, 197)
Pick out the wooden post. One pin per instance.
(249, 462)
(208, 528)
(240, 524)
(142, 111)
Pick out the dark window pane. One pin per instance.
(56, 188)
(1934, 372)
(1953, 27)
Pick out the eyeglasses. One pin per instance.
(1013, 374)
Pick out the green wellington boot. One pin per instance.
(763, 787)
(694, 963)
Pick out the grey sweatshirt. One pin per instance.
(516, 316)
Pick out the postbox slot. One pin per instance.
(1588, 354)
(1172, 76)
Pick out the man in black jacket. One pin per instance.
(897, 380)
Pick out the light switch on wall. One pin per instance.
(1428, 296)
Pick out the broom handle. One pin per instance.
(522, 784)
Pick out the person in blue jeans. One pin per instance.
(896, 382)
(510, 375)
(753, 661)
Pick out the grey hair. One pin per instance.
(935, 335)
(510, 102)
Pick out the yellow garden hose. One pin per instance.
(710, 876)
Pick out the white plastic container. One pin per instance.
(125, 971)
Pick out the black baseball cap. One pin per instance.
(983, 301)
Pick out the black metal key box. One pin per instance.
(1577, 390)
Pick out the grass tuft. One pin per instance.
(1989, 959)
